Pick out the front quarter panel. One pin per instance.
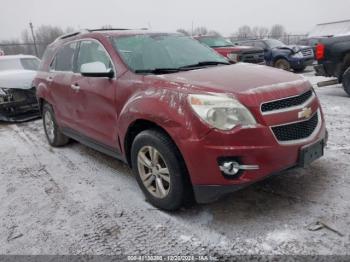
(164, 105)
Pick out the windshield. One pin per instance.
(215, 41)
(19, 64)
(165, 51)
(273, 43)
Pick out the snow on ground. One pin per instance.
(74, 200)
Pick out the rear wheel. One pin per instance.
(346, 81)
(282, 64)
(53, 134)
(159, 169)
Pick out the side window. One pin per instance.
(260, 44)
(92, 52)
(64, 59)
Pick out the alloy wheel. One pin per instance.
(154, 172)
(49, 126)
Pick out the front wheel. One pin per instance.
(346, 81)
(282, 64)
(159, 169)
(53, 134)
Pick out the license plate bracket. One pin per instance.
(310, 153)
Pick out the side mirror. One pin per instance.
(96, 69)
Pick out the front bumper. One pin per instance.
(301, 63)
(19, 106)
(250, 146)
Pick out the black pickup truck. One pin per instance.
(333, 56)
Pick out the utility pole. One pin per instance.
(36, 49)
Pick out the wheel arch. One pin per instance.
(137, 127)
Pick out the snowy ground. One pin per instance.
(75, 200)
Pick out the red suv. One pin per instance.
(234, 53)
(185, 120)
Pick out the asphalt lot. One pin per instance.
(74, 200)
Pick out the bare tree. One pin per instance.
(277, 31)
(260, 31)
(107, 27)
(214, 33)
(183, 31)
(44, 35)
(201, 30)
(244, 32)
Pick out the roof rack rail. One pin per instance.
(92, 30)
(71, 34)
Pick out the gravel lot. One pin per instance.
(74, 200)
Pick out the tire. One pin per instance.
(346, 81)
(282, 64)
(150, 171)
(299, 70)
(52, 131)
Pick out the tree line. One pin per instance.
(46, 34)
(243, 32)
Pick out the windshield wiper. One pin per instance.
(205, 63)
(157, 71)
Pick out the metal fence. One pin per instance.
(15, 48)
(287, 39)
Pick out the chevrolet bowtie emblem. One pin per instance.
(305, 113)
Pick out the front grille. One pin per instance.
(307, 52)
(296, 131)
(285, 103)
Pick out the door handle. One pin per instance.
(75, 87)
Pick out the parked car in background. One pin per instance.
(280, 55)
(312, 42)
(178, 113)
(233, 53)
(17, 95)
(333, 56)
(2, 53)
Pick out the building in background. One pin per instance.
(331, 29)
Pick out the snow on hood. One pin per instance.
(17, 79)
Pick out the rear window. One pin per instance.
(30, 63)
(19, 64)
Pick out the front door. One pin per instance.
(94, 97)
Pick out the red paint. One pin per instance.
(104, 109)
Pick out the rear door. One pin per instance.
(94, 97)
(61, 76)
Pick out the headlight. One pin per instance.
(221, 112)
(233, 57)
(298, 55)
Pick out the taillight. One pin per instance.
(320, 48)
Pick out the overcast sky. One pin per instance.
(225, 16)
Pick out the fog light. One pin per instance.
(232, 168)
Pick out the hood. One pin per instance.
(17, 79)
(253, 83)
(236, 49)
(293, 48)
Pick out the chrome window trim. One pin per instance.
(303, 140)
(292, 108)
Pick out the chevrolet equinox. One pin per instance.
(186, 121)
